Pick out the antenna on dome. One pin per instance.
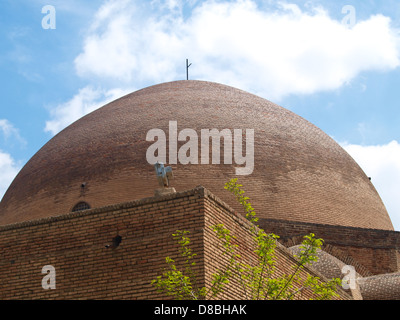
(187, 69)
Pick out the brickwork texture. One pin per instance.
(75, 245)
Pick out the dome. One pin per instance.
(381, 287)
(299, 173)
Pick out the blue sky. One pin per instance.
(336, 63)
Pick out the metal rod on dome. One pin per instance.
(187, 69)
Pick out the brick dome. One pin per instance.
(300, 173)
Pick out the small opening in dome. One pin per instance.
(81, 206)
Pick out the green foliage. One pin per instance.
(235, 188)
(323, 290)
(180, 284)
(259, 281)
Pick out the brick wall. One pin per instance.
(75, 245)
(85, 269)
(216, 213)
(371, 251)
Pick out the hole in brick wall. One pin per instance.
(115, 242)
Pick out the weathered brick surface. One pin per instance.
(75, 245)
(371, 251)
(216, 213)
(381, 287)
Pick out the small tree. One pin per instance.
(258, 281)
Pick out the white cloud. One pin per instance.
(85, 101)
(9, 131)
(382, 164)
(125, 45)
(8, 166)
(272, 53)
(7, 128)
(8, 170)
